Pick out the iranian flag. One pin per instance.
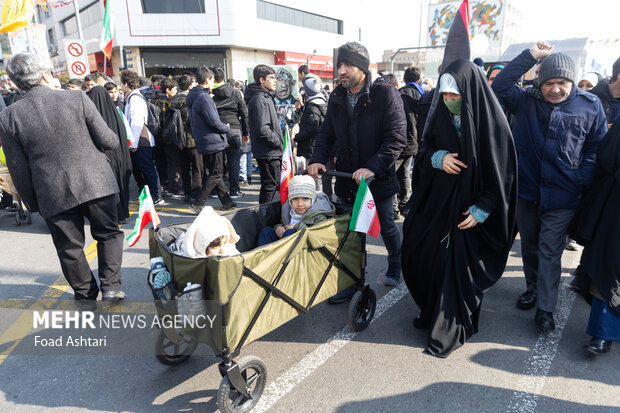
(146, 214)
(364, 217)
(287, 167)
(105, 41)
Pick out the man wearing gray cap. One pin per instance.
(557, 129)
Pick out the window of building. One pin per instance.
(178, 6)
(288, 15)
(89, 15)
(52, 46)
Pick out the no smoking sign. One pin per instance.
(77, 59)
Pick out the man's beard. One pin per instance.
(350, 83)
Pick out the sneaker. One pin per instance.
(571, 245)
(383, 279)
(236, 195)
(342, 296)
(159, 201)
(175, 194)
(213, 196)
(114, 295)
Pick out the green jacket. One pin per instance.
(321, 210)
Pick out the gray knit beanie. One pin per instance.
(556, 65)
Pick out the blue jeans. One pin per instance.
(146, 164)
(245, 166)
(233, 153)
(268, 235)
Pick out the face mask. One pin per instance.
(454, 106)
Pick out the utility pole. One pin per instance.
(76, 6)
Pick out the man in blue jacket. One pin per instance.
(210, 136)
(365, 124)
(557, 129)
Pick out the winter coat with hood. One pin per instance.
(207, 129)
(411, 98)
(556, 144)
(373, 138)
(320, 211)
(265, 130)
(309, 124)
(231, 107)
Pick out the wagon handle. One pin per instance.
(339, 174)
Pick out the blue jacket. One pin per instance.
(207, 129)
(556, 144)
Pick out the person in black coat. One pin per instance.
(265, 130)
(54, 142)
(367, 127)
(461, 221)
(209, 133)
(312, 116)
(411, 94)
(596, 225)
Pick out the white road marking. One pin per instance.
(291, 378)
(525, 398)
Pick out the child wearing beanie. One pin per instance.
(304, 208)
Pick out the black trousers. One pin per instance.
(214, 162)
(192, 172)
(67, 229)
(269, 170)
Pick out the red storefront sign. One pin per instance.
(322, 66)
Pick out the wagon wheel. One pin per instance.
(362, 309)
(171, 354)
(230, 400)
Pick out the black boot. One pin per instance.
(597, 346)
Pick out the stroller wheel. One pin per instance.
(171, 354)
(362, 309)
(230, 400)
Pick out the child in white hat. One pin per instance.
(209, 235)
(304, 208)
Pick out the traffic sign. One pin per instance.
(77, 59)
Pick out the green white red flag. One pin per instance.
(364, 217)
(287, 167)
(146, 214)
(107, 31)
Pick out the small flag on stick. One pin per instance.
(287, 167)
(146, 214)
(364, 217)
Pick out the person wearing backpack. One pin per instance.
(142, 119)
(312, 116)
(191, 160)
(170, 122)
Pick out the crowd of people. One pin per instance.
(468, 164)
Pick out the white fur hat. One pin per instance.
(208, 226)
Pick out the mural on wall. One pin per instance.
(287, 90)
(486, 22)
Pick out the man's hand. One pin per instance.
(245, 139)
(469, 222)
(541, 50)
(133, 149)
(313, 169)
(366, 173)
(451, 165)
(280, 231)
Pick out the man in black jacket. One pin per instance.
(411, 94)
(232, 110)
(312, 116)
(209, 133)
(609, 94)
(367, 125)
(265, 130)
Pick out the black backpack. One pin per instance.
(152, 122)
(173, 132)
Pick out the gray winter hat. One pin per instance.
(312, 85)
(556, 65)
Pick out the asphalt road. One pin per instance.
(315, 363)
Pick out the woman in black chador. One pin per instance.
(120, 160)
(458, 233)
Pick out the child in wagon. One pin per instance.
(304, 208)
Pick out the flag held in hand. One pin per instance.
(364, 217)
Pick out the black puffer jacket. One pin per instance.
(411, 97)
(372, 139)
(265, 130)
(231, 107)
(311, 120)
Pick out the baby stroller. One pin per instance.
(261, 289)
